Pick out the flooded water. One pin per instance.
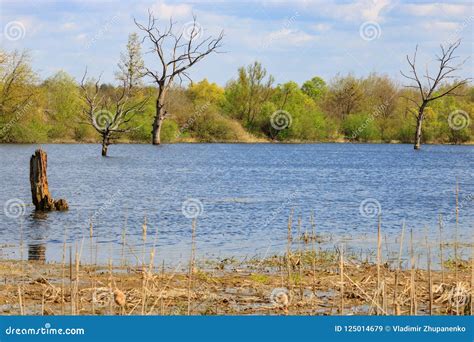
(242, 195)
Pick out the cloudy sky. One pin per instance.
(295, 40)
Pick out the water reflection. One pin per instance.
(37, 252)
(35, 234)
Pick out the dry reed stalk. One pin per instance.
(20, 301)
(163, 288)
(42, 302)
(78, 265)
(144, 234)
(300, 263)
(379, 247)
(341, 268)
(144, 270)
(63, 276)
(456, 243)
(397, 272)
(441, 247)
(365, 294)
(412, 277)
(21, 249)
(91, 278)
(76, 281)
(70, 280)
(191, 264)
(472, 279)
(288, 251)
(430, 278)
(124, 232)
(313, 251)
(91, 234)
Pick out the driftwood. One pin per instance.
(42, 199)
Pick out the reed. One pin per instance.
(288, 250)
(20, 301)
(341, 271)
(191, 264)
(313, 251)
(456, 278)
(63, 275)
(441, 257)
(379, 251)
(300, 260)
(397, 272)
(124, 237)
(70, 281)
(430, 277)
(472, 279)
(412, 277)
(91, 275)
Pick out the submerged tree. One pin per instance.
(177, 51)
(428, 86)
(109, 115)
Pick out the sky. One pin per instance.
(294, 40)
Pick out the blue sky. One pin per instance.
(295, 40)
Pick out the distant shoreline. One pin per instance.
(256, 142)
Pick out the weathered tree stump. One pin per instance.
(42, 199)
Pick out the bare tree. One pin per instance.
(109, 116)
(428, 86)
(184, 49)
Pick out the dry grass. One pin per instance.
(326, 280)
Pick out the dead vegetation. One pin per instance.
(305, 283)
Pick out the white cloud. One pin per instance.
(166, 11)
(69, 26)
(437, 9)
(321, 27)
(81, 37)
(441, 26)
(288, 36)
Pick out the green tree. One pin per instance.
(344, 96)
(131, 66)
(315, 88)
(18, 93)
(246, 95)
(62, 105)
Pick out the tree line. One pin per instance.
(165, 105)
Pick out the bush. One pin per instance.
(361, 127)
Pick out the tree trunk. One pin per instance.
(157, 131)
(105, 145)
(41, 197)
(159, 118)
(419, 122)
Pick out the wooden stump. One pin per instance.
(42, 199)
